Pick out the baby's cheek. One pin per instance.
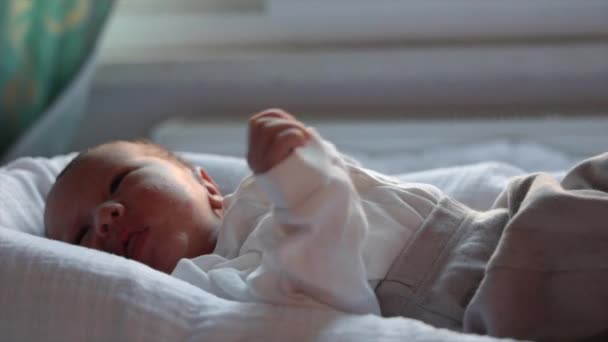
(163, 204)
(169, 251)
(159, 194)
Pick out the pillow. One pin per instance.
(24, 184)
(52, 291)
(476, 185)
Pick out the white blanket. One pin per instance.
(54, 291)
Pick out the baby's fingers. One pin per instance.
(273, 135)
(284, 144)
(273, 128)
(266, 130)
(272, 113)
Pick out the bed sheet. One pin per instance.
(54, 291)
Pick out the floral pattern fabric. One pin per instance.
(43, 44)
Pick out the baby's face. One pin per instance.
(121, 200)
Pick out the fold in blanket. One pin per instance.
(534, 267)
(548, 278)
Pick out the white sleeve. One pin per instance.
(314, 244)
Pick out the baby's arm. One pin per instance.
(314, 244)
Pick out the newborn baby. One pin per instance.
(305, 221)
(311, 228)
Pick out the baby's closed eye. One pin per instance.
(116, 181)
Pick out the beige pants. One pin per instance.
(534, 267)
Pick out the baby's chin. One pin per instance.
(168, 266)
(165, 256)
(165, 263)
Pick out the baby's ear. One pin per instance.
(215, 196)
(205, 179)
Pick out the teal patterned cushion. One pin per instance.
(43, 45)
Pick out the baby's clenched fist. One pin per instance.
(273, 135)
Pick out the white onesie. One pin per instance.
(314, 230)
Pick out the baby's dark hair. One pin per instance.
(149, 147)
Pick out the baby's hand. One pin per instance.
(273, 135)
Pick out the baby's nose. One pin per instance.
(106, 217)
